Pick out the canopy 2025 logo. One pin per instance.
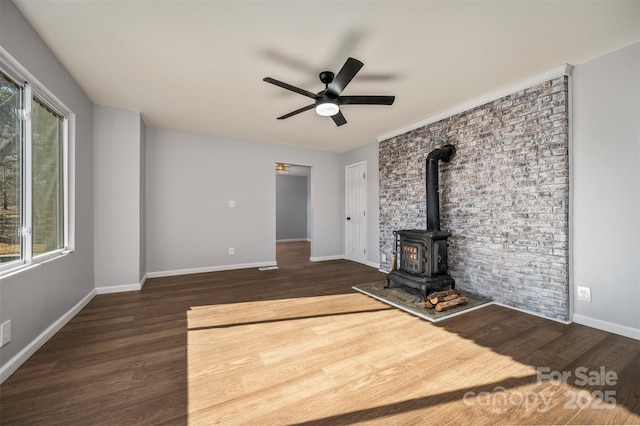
(582, 376)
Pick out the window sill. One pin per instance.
(35, 262)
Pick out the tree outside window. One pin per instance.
(10, 169)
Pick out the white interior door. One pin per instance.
(356, 211)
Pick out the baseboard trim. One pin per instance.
(325, 258)
(118, 288)
(21, 357)
(372, 264)
(293, 240)
(531, 313)
(121, 288)
(611, 327)
(172, 273)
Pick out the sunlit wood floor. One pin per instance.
(298, 346)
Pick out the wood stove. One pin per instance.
(423, 252)
(422, 263)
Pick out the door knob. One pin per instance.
(348, 218)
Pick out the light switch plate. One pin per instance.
(5, 333)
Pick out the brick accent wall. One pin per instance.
(504, 197)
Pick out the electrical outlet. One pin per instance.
(384, 257)
(584, 294)
(232, 251)
(232, 203)
(5, 333)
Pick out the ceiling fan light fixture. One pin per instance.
(327, 109)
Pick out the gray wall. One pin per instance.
(35, 298)
(606, 190)
(192, 177)
(118, 198)
(291, 207)
(369, 153)
(504, 197)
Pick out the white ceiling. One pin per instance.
(198, 65)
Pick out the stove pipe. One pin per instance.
(446, 154)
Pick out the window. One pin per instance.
(47, 137)
(33, 141)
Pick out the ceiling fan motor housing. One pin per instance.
(326, 77)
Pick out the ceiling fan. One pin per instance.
(327, 102)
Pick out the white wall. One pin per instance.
(118, 198)
(369, 153)
(606, 191)
(192, 177)
(38, 300)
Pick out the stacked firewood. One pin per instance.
(443, 300)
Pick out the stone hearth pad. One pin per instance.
(410, 301)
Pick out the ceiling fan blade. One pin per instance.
(290, 87)
(344, 77)
(289, 61)
(298, 111)
(339, 119)
(366, 100)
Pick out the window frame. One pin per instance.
(32, 89)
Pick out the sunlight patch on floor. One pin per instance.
(294, 360)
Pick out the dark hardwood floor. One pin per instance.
(298, 346)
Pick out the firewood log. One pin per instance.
(443, 306)
(428, 304)
(439, 296)
(449, 297)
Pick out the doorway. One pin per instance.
(293, 213)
